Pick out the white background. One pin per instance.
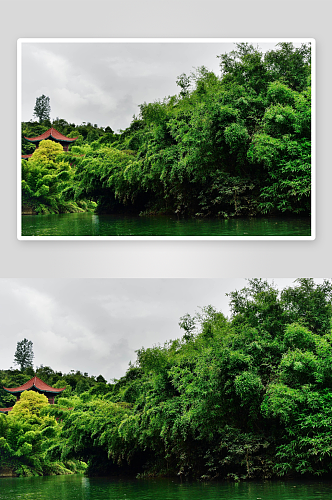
(159, 18)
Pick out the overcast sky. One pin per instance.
(104, 83)
(95, 325)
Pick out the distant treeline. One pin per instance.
(228, 145)
(75, 381)
(239, 398)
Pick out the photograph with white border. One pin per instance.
(166, 139)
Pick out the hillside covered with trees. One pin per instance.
(237, 144)
(234, 398)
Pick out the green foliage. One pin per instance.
(29, 434)
(47, 179)
(92, 426)
(28, 406)
(230, 145)
(26, 436)
(42, 108)
(103, 176)
(260, 305)
(24, 354)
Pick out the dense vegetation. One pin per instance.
(229, 145)
(28, 433)
(27, 436)
(238, 398)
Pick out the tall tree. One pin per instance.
(24, 354)
(42, 108)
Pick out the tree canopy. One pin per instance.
(42, 108)
(24, 354)
(48, 181)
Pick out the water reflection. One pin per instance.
(85, 224)
(83, 488)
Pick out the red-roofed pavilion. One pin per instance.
(6, 410)
(53, 135)
(34, 384)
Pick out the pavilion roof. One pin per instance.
(52, 132)
(3, 410)
(34, 382)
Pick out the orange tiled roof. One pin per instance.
(2, 410)
(52, 132)
(34, 382)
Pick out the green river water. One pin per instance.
(83, 488)
(87, 224)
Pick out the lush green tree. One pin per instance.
(29, 405)
(27, 435)
(103, 176)
(289, 64)
(42, 108)
(235, 145)
(48, 181)
(24, 354)
(91, 428)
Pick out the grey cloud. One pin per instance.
(96, 325)
(104, 83)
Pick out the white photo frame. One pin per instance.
(214, 41)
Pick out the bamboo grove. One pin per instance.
(236, 398)
(234, 144)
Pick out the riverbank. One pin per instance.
(7, 472)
